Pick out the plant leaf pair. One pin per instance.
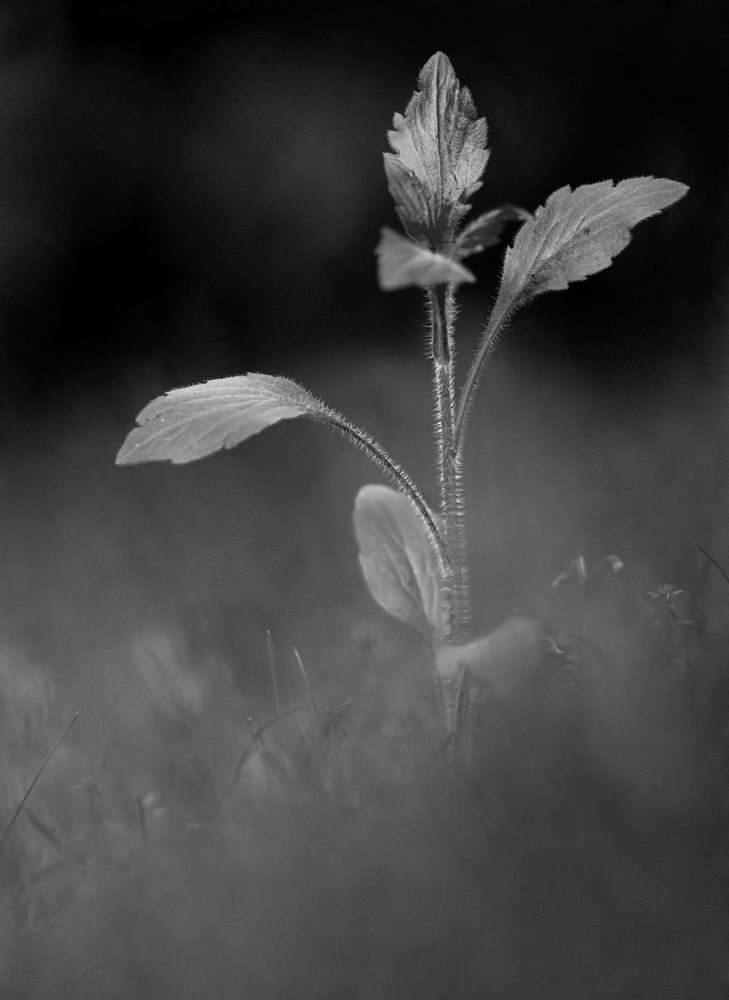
(439, 154)
(399, 560)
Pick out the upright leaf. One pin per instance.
(401, 263)
(398, 561)
(573, 235)
(439, 154)
(578, 233)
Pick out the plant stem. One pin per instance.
(441, 314)
(397, 475)
(497, 320)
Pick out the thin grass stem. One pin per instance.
(307, 682)
(33, 783)
(272, 668)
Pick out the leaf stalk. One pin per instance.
(500, 315)
(397, 475)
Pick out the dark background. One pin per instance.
(196, 189)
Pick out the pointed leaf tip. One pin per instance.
(198, 420)
(578, 233)
(573, 235)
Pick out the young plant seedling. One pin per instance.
(415, 560)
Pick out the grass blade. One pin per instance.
(33, 783)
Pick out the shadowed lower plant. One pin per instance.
(414, 558)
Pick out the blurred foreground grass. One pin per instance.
(577, 860)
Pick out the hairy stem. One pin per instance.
(374, 450)
(441, 314)
(497, 320)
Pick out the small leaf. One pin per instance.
(486, 230)
(399, 564)
(577, 233)
(190, 423)
(402, 263)
(439, 154)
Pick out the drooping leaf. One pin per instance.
(485, 231)
(399, 563)
(401, 263)
(439, 153)
(578, 233)
(190, 423)
(195, 421)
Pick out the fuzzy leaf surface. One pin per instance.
(398, 562)
(401, 263)
(485, 231)
(578, 233)
(439, 153)
(195, 421)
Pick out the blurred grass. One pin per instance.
(142, 596)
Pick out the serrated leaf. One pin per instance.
(398, 561)
(195, 421)
(402, 263)
(412, 201)
(439, 154)
(485, 231)
(573, 235)
(578, 233)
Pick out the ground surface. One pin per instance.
(579, 858)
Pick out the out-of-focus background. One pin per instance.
(192, 190)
